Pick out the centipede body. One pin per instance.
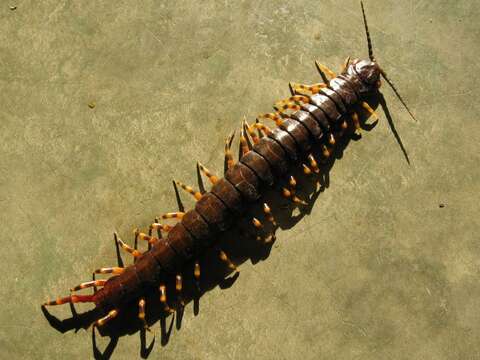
(308, 124)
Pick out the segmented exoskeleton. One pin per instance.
(314, 116)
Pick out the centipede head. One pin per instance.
(369, 72)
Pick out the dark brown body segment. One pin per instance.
(181, 241)
(259, 166)
(165, 256)
(299, 133)
(342, 88)
(327, 105)
(229, 195)
(148, 269)
(196, 225)
(215, 213)
(245, 181)
(337, 99)
(119, 289)
(318, 115)
(273, 154)
(287, 142)
(310, 123)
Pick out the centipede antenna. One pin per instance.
(384, 75)
(369, 40)
(391, 124)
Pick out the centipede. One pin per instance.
(298, 136)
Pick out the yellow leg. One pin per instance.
(196, 274)
(158, 226)
(329, 74)
(326, 151)
(127, 248)
(110, 270)
(178, 288)
(250, 130)
(306, 169)
(196, 194)
(369, 110)
(264, 129)
(344, 67)
(102, 321)
(149, 238)
(290, 106)
(268, 214)
(356, 121)
(213, 179)
(72, 299)
(88, 284)
(331, 139)
(173, 215)
(272, 116)
(301, 89)
(257, 223)
(290, 192)
(228, 152)
(163, 298)
(141, 313)
(243, 142)
(313, 164)
(223, 256)
(293, 100)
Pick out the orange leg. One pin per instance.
(293, 100)
(178, 289)
(369, 109)
(72, 299)
(196, 194)
(229, 162)
(244, 148)
(213, 179)
(88, 284)
(163, 298)
(196, 274)
(102, 321)
(313, 164)
(290, 191)
(141, 313)
(173, 215)
(282, 109)
(326, 73)
(251, 132)
(302, 89)
(223, 256)
(135, 253)
(264, 129)
(149, 238)
(274, 117)
(345, 64)
(268, 214)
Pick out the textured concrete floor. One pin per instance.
(377, 271)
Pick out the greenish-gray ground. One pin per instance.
(377, 271)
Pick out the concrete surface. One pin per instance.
(377, 271)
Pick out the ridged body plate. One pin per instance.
(259, 165)
(299, 133)
(215, 213)
(287, 142)
(229, 195)
(245, 181)
(309, 122)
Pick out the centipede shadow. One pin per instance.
(243, 242)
